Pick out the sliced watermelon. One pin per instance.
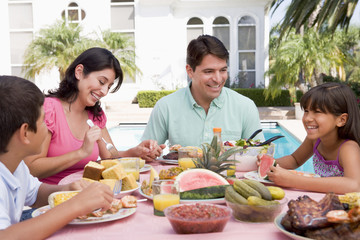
(199, 178)
(266, 162)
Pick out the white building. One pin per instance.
(161, 28)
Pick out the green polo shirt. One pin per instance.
(178, 118)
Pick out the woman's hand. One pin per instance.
(91, 136)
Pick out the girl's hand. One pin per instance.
(258, 159)
(91, 136)
(281, 176)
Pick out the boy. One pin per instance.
(22, 131)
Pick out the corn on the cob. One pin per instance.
(353, 199)
(60, 197)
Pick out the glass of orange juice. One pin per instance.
(165, 194)
(187, 156)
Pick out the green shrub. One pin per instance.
(147, 99)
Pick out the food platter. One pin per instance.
(78, 175)
(167, 161)
(122, 213)
(292, 235)
(254, 176)
(145, 168)
(214, 200)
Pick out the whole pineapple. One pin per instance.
(213, 159)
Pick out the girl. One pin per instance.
(332, 122)
(70, 144)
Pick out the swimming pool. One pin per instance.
(126, 136)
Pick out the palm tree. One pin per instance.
(329, 14)
(59, 44)
(123, 47)
(303, 57)
(55, 46)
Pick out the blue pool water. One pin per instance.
(127, 136)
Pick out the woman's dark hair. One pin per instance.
(21, 102)
(203, 45)
(335, 98)
(93, 59)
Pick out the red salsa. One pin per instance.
(198, 218)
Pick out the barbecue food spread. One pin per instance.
(309, 218)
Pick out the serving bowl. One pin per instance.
(248, 156)
(197, 217)
(252, 213)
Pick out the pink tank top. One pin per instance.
(327, 168)
(62, 139)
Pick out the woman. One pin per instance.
(70, 143)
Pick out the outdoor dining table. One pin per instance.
(143, 224)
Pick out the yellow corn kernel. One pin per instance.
(62, 197)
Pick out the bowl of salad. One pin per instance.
(246, 159)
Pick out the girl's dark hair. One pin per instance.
(21, 102)
(335, 98)
(203, 45)
(93, 59)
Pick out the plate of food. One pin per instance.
(122, 213)
(213, 200)
(255, 176)
(167, 161)
(292, 235)
(145, 168)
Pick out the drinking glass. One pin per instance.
(165, 194)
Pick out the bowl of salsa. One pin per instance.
(197, 217)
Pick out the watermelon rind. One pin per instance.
(204, 193)
(265, 162)
(198, 178)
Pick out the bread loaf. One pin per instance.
(114, 172)
(109, 162)
(129, 182)
(93, 170)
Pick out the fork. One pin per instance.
(117, 187)
(109, 146)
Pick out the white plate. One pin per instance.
(168, 161)
(122, 213)
(292, 235)
(145, 168)
(254, 176)
(123, 193)
(214, 200)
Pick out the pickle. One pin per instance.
(276, 192)
(256, 201)
(232, 196)
(261, 188)
(245, 190)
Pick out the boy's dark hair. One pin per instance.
(203, 45)
(20, 103)
(335, 98)
(93, 59)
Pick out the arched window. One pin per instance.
(247, 52)
(73, 13)
(221, 30)
(195, 27)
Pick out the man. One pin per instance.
(188, 116)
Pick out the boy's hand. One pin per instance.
(79, 185)
(95, 196)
